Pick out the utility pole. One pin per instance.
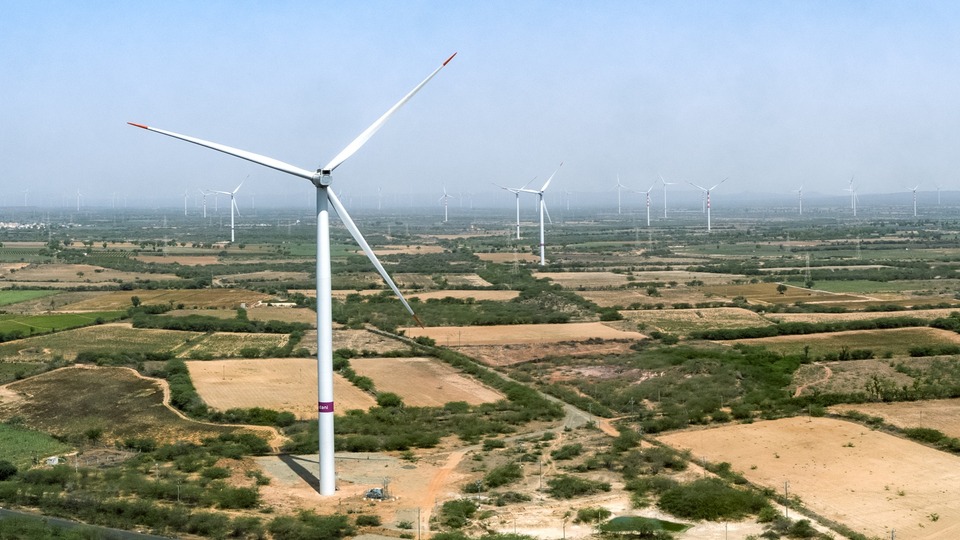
(786, 500)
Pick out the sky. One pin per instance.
(774, 95)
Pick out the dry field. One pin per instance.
(282, 384)
(423, 382)
(265, 275)
(870, 481)
(848, 376)
(408, 250)
(258, 313)
(859, 316)
(494, 295)
(466, 280)
(190, 298)
(454, 336)
(683, 276)
(105, 337)
(896, 341)
(358, 340)
(223, 344)
(940, 414)
(408, 280)
(69, 273)
(506, 355)
(585, 280)
(766, 293)
(686, 320)
(183, 260)
(668, 296)
(71, 400)
(506, 258)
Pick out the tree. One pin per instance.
(781, 288)
(7, 469)
(135, 300)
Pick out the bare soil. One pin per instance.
(870, 481)
(939, 414)
(423, 382)
(453, 336)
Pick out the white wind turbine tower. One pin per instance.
(706, 195)
(516, 192)
(444, 199)
(204, 193)
(799, 193)
(233, 206)
(938, 194)
(853, 197)
(185, 202)
(665, 184)
(647, 193)
(914, 190)
(25, 196)
(619, 188)
(325, 198)
(543, 209)
(79, 196)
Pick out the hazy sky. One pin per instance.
(774, 95)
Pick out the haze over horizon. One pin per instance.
(773, 95)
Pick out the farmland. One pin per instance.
(616, 326)
(871, 481)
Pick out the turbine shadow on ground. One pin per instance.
(294, 463)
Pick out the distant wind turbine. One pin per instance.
(233, 206)
(647, 193)
(619, 188)
(853, 196)
(325, 198)
(799, 193)
(204, 193)
(914, 190)
(25, 196)
(543, 210)
(444, 199)
(185, 202)
(665, 184)
(706, 194)
(79, 196)
(516, 192)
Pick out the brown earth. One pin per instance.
(423, 382)
(505, 355)
(454, 336)
(870, 481)
(939, 414)
(191, 298)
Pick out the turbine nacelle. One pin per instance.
(321, 178)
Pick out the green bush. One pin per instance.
(568, 487)
(567, 451)
(7, 469)
(456, 513)
(503, 475)
(367, 520)
(591, 515)
(710, 499)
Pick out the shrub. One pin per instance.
(591, 515)
(568, 487)
(567, 451)
(710, 499)
(7, 469)
(366, 520)
(503, 475)
(456, 513)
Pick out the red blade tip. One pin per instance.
(447, 61)
(138, 125)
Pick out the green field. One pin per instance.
(12, 297)
(11, 371)
(21, 446)
(30, 324)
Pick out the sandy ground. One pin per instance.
(867, 480)
(940, 414)
(453, 336)
(505, 355)
(859, 316)
(290, 384)
(423, 381)
(71, 273)
(508, 257)
(685, 320)
(587, 280)
(283, 384)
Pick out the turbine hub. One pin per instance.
(321, 178)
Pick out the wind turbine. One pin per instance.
(647, 193)
(204, 193)
(233, 205)
(665, 184)
(79, 196)
(853, 196)
(799, 193)
(25, 196)
(914, 190)
(325, 198)
(443, 199)
(516, 191)
(938, 194)
(706, 195)
(543, 209)
(619, 188)
(185, 202)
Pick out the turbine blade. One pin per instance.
(370, 131)
(545, 211)
(544, 188)
(241, 183)
(718, 184)
(234, 203)
(528, 183)
(701, 188)
(355, 232)
(242, 154)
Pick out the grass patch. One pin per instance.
(29, 324)
(15, 297)
(641, 525)
(21, 446)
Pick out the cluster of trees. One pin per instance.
(801, 328)
(206, 323)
